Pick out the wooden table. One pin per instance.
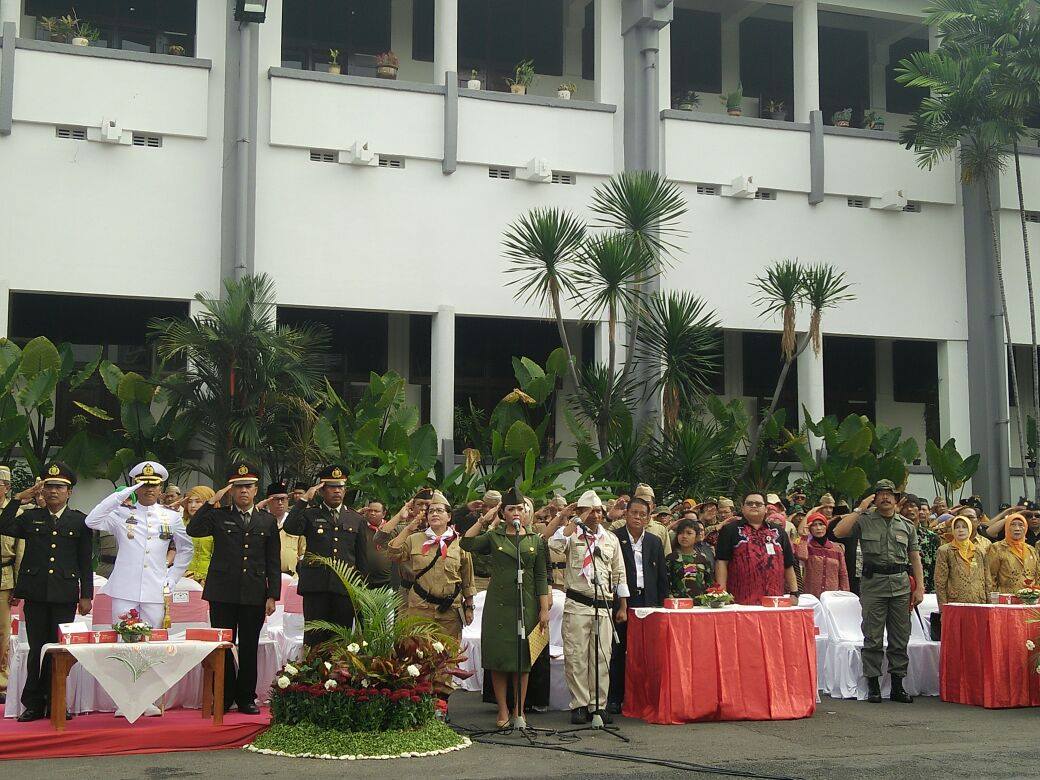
(62, 662)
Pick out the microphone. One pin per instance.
(516, 524)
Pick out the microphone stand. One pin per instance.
(597, 723)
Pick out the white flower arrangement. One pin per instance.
(291, 670)
(466, 742)
(353, 647)
(283, 682)
(413, 670)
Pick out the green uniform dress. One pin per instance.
(498, 623)
(884, 590)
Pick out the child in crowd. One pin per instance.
(691, 570)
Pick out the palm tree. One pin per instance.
(243, 373)
(785, 286)
(964, 116)
(679, 331)
(1005, 30)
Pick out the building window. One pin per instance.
(358, 29)
(696, 51)
(145, 25)
(119, 325)
(915, 380)
(767, 59)
(900, 99)
(588, 43)
(849, 377)
(762, 363)
(422, 30)
(494, 35)
(845, 72)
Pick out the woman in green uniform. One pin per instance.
(501, 535)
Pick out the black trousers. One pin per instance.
(331, 607)
(245, 622)
(41, 627)
(616, 693)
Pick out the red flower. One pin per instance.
(416, 699)
(715, 589)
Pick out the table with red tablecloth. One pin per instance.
(983, 659)
(734, 663)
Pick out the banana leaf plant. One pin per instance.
(950, 470)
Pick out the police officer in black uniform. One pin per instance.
(56, 573)
(245, 578)
(332, 531)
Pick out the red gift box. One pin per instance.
(678, 603)
(103, 637)
(74, 638)
(208, 634)
(1008, 598)
(777, 601)
(158, 635)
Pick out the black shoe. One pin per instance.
(580, 716)
(28, 715)
(614, 707)
(249, 709)
(898, 694)
(874, 690)
(605, 716)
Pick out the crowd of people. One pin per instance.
(605, 556)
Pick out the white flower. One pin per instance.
(364, 643)
(419, 653)
(365, 683)
(291, 670)
(413, 670)
(283, 682)
(438, 647)
(1030, 645)
(330, 684)
(353, 647)
(328, 666)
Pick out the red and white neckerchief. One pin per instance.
(443, 540)
(373, 527)
(586, 562)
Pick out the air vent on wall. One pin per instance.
(1033, 216)
(857, 203)
(321, 155)
(765, 195)
(390, 162)
(912, 208)
(707, 189)
(500, 173)
(149, 141)
(71, 133)
(563, 178)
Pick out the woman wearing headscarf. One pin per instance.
(192, 502)
(503, 534)
(824, 561)
(1011, 561)
(960, 567)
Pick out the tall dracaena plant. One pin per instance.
(780, 290)
(823, 287)
(542, 246)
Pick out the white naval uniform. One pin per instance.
(140, 570)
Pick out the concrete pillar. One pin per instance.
(806, 60)
(733, 362)
(954, 419)
(442, 381)
(664, 69)
(445, 39)
(884, 379)
(602, 341)
(11, 11)
(730, 53)
(5, 310)
(399, 352)
(879, 54)
(810, 391)
(610, 70)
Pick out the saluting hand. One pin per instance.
(311, 491)
(866, 503)
(30, 493)
(219, 495)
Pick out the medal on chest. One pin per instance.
(131, 523)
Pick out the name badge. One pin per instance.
(770, 548)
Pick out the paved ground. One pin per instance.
(845, 739)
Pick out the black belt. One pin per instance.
(558, 565)
(108, 559)
(870, 569)
(443, 603)
(588, 602)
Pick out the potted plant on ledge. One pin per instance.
(776, 110)
(842, 118)
(733, 101)
(689, 101)
(334, 66)
(872, 120)
(474, 80)
(523, 75)
(387, 65)
(176, 50)
(565, 90)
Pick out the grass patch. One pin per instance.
(306, 739)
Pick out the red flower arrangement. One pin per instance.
(715, 597)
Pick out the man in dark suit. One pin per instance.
(56, 574)
(647, 575)
(332, 531)
(245, 576)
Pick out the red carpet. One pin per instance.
(102, 734)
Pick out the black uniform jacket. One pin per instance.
(338, 535)
(56, 565)
(246, 566)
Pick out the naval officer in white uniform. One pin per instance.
(143, 531)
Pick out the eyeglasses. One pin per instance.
(753, 503)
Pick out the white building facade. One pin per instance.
(132, 178)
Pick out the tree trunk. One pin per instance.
(1007, 334)
(1032, 310)
(603, 420)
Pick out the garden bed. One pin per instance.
(306, 740)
